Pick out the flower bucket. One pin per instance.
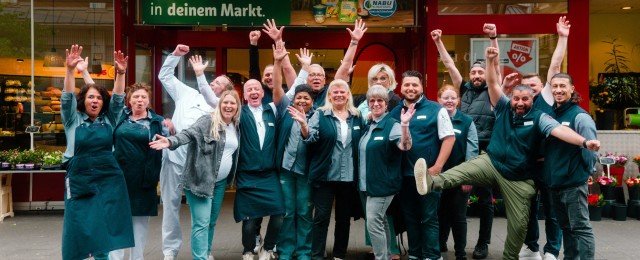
(634, 192)
(595, 213)
(617, 172)
(633, 208)
(607, 192)
(619, 212)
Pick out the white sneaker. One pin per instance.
(549, 256)
(170, 257)
(258, 244)
(210, 257)
(336, 258)
(266, 255)
(247, 256)
(423, 178)
(527, 254)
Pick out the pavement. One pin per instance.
(36, 235)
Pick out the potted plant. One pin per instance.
(4, 160)
(52, 160)
(636, 160)
(633, 186)
(596, 202)
(617, 169)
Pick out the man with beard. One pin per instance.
(433, 139)
(511, 154)
(474, 101)
(189, 106)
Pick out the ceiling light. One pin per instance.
(626, 8)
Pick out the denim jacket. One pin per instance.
(204, 156)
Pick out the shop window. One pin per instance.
(507, 7)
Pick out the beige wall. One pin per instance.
(602, 27)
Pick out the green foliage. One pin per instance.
(616, 91)
(617, 62)
(15, 34)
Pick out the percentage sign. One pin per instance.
(518, 57)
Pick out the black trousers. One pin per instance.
(322, 196)
(453, 216)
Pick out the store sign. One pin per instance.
(381, 8)
(516, 54)
(214, 12)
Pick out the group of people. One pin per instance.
(294, 155)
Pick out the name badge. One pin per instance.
(528, 123)
(270, 124)
(356, 127)
(421, 117)
(565, 123)
(378, 138)
(457, 131)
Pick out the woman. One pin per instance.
(381, 74)
(453, 203)
(212, 157)
(97, 216)
(380, 177)
(137, 125)
(332, 136)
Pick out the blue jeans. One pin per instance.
(204, 214)
(392, 243)
(421, 219)
(572, 210)
(551, 227)
(377, 225)
(295, 233)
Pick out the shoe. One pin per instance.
(210, 257)
(247, 256)
(169, 257)
(424, 181)
(266, 255)
(461, 258)
(337, 258)
(527, 254)
(258, 244)
(549, 256)
(480, 252)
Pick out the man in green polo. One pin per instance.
(510, 157)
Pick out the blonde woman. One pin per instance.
(211, 158)
(332, 136)
(383, 75)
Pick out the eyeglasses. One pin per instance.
(381, 79)
(316, 75)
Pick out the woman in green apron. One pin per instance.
(97, 216)
(137, 125)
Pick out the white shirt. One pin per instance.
(190, 104)
(230, 146)
(260, 127)
(445, 127)
(344, 131)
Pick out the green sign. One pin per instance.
(214, 12)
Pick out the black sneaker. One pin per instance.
(481, 251)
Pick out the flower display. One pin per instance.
(620, 159)
(637, 160)
(595, 200)
(606, 181)
(633, 181)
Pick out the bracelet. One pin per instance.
(121, 72)
(493, 38)
(584, 143)
(354, 42)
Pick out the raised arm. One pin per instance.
(405, 135)
(356, 34)
(73, 58)
(304, 57)
(120, 61)
(454, 73)
(279, 53)
(82, 68)
(206, 91)
(254, 56)
(271, 29)
(492, 32)
(562, 27)
(171, 84)
(495, 91)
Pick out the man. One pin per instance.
(189, 106)
(433, 139)
(510, 157)
(566, 175)
(544, 102)
(474, 99)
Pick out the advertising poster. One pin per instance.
(516, 54)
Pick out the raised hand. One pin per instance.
(297, 114)
(181, 50)
(359, 29)
(120, 61)
(73, 56)
(82, 65)
(511, 80)
(490, 29)
(279, 52)
(272, 30)
(198, 65)
(436, 34)
(160, 143)
(563, 26)
(305, 57)
(254, 36)
(407, 114)
(491, 54)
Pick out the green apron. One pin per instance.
(97, 216)
(137, 159)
